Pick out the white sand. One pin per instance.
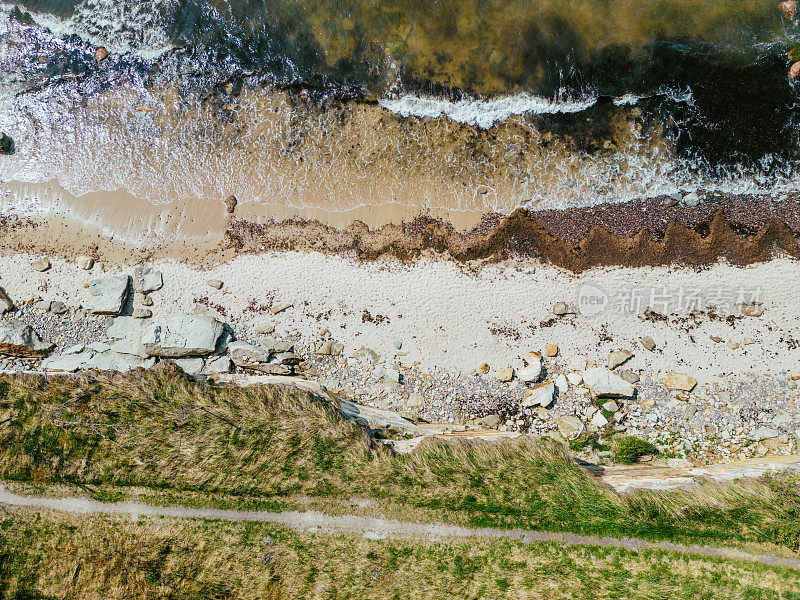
(443, 314)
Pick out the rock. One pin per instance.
(490, 421)
(794, 376)
(598, 420)
(788, 8)
(280, 307)
(562, 308)
(230, 204)
(541, 395)
(41, 265)
(85, 262)
(181, 335)
(605, 384)
(99, 346)
(484, 368)
(570, 427)
(215, 283)
(618, 357)
(575, 378)
(754, 309)
(630, 376)
(577, 362)
(691, 199)
(398, 344)
(264, 326)
(764, 433)
(562, 383)
(289, 358)
(100, 54)
(248, 356)
(145, 300)
(6, 305)
(648, 342)
(337, 349)
(505, 374)
(58, 308)
(690, 411)
(141, 313)
(715, 338)
(275, 346)
(679, 381)
(551, 350)
(19, 339)
(732, 345)
(6, 144)
(115, 361)
(147, 279)
(365, 353)
(611, 406)
(221, 364)
(325, 348)
(748, 341)
(531, 373)
(76, 349)
(108, 296)
(782, 418)
(190, 366)
(43, 305)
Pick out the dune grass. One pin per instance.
(162, 430)
(53, 555)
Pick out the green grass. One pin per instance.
(53, 555)
(269, 447)
(628, 449)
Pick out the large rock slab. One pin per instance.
(127, 335)
(108, 296)
(101, 361)
(605, 384)
(179, 335)
(19, 339)
(248, 356)
(569, 426)
(541, 395)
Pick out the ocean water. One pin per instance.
(469, 105)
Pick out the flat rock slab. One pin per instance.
(248, 356)
(180, 335)
(605, 384)
(101, 361)
(108, 296)
(19, 339)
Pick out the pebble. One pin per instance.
(58, 308)
(145, 300)
(505, 374)
(141, 313)
(691, 199)
(85, 262)
(484, 368)
(648, 342)
(230, 204)
(551, 350)
(215, 283)
(618, 357)
(280, 307)
(562, 308)
(630, 376)
(679, 382)
(41, 265)
(100, 54)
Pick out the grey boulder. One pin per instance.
(19, 339)
(108, 296)
(248, 356)
(179, 335)
(147, 279)
(605, 384)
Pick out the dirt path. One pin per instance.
(375, 528)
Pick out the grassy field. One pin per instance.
(163, 431)
(52, 555)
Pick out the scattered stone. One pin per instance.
(180, 335)
(562, 308)
(484, 369)
(100, 54)
(618, 357)
(221, 364)
(85, 262)
(490, 421)
(782, 418)
(575, 378)
(753, 309)
(690, 411)
(764, 433)
(541, 395)
(611, 406)
(147, 279)
(598, 420)
(398, 344)
(679, 382)
(190, 366)
(145, 300)
(732, 345)
(748, 341)
(551, 350)
(630, 376)
(562, 383)
(280, 307)
(531, 373)
(141, 313)
(58, 308)
(605, 384)
(794, 376)
(6, 305)
(41, 265)
(365, 353)
(715, 338)
(648, 342)
(691, 199)
(337, 349)
(570, 427)
(43, 305)
(6, 144)
(264, 326)
(248, 356)
(325, 348)
(108, 296)
(19, 339)
(230, 204)
(577, 362)
(215, 283)
(505, 375)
